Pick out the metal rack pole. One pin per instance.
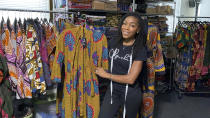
(67, 8)
(133, 8)
(41, 11)
(192, 17)
(171, 84)
(179, 17)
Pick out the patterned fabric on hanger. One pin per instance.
(6, 107)
(184, 57)
(44, 54)
(33, 62)
(51, 44)
(155, 65)
(23, 81)
(206, 61)
(80, 88)
(190, 64)
(9, 46)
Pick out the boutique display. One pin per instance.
(192, 64)
(28, 48)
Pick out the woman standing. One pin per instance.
(127, 69)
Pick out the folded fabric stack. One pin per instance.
(123, 6)
(159, 0)
(160, 22)
(113, 20)
(76, 5)
(163, 10)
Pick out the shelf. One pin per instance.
(158, 14)
(161, 2)
(113, 12)
(98, 11)
(59, 9)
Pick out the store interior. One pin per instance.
(44, 74)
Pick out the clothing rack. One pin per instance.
(40, 11)
(45, 11)
(191, 17)
(179, 17)
(180, 92)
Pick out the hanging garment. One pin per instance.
(44, 56)
(23, 81)
(51, 44)
(184, 57)
(191, 64)
(6, 108)
(156, 50)
(1, 49)
(155, 65)
(9, 46)
(198, 64)
(60, 25)
(206, 62)
(66, 45)
(33, 62)
(81, 50)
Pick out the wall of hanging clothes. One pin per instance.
(192, 66)
(28, 48)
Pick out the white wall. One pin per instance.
(204, 10)
(185, 10)
(181, 9)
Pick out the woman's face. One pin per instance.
(130, 27)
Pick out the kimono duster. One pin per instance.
(155, 65)
(80, 50)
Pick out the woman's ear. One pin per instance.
(139, 29)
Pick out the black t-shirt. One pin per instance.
(121, 60)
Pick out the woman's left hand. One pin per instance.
(101, 72)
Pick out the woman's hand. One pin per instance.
(102, 73)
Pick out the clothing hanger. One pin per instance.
(8, 24)
(24, 25)
(60, 16)
(15, 26)
(180, 23)
(46, 21)
(2, 24)
(20, 23)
